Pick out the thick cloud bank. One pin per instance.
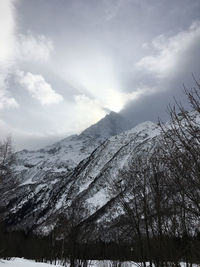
(65, 64)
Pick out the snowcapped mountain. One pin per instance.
(63, 156)
(75, 172)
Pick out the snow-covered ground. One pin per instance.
(18, 262)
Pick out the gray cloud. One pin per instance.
(130, 55)
(164, 73)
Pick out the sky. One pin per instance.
(65, 64)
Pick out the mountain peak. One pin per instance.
(112, 124)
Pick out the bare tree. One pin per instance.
(182, 146)
(73, 233)
(134, 195)
(181, 149)
(6, 158)
(148, 200)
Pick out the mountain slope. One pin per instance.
(63, 156)
(36, 204)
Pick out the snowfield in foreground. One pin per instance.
(18, 262)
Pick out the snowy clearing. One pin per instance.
(20, 262)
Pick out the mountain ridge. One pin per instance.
(38, 200)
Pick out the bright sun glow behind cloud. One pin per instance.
(57, 77)
(96, 77)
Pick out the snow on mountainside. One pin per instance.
(63, 156)
(46, 192)
(92, 184)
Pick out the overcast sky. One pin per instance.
(64, 64)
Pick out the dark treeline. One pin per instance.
(48, 249)
(30, 246)
(159, 194)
